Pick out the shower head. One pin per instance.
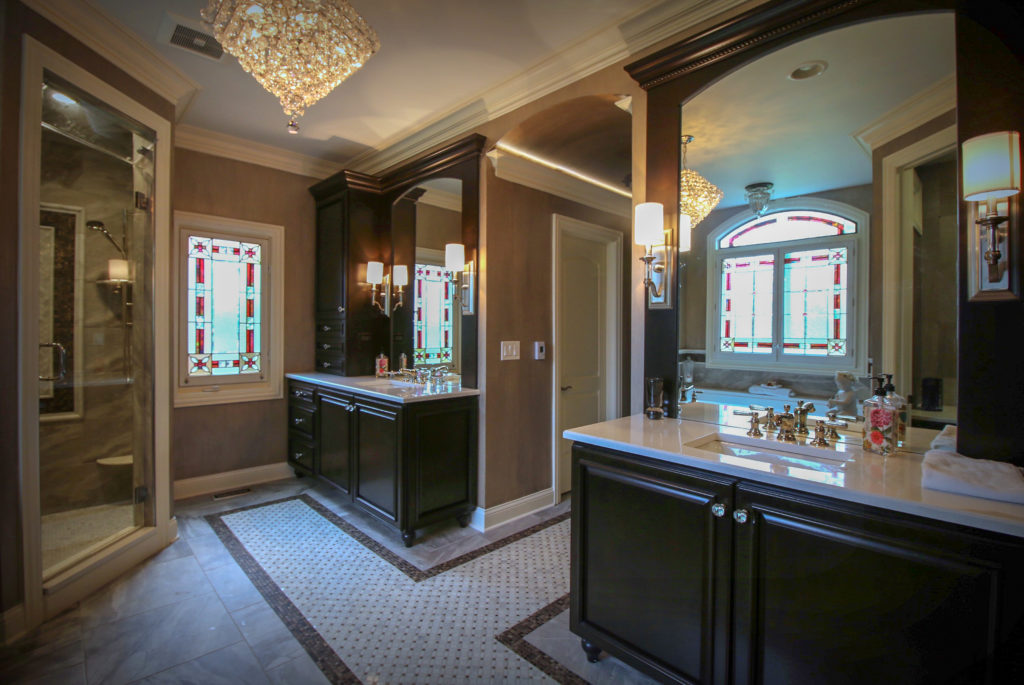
(98, 226)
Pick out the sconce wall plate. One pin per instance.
(659, 296)
(467, 288)
(999, 281)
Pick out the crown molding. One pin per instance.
(441, 199)
(515, 169)
(238, 149)
(601, 49)
(116, 43)
(931, 102)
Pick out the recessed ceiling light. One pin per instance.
(63, 99)
(808, 70)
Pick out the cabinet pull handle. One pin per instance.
(740, 516)
(718, 510)
(565, 387)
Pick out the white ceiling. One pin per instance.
(757, 125)
(436, 57)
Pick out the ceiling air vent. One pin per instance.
(189, 35)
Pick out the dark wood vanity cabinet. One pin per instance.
(696, 577)
(349, 233)
(407, 464)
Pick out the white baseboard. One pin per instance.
(230, 480)
(485, 519)
(12, 624)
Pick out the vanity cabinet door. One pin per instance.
(377, 428)
(330, 259)
(827, 591)
(650, 564)
(336, 439)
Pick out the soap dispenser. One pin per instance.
(902, 408)
(880, 421)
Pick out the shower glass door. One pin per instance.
(95, 326)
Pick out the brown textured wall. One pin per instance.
(518, 397)
(225, 437)
(18, 20)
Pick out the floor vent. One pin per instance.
(189, 35)
(228, 494)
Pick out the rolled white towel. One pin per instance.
(951, 472)
(770, 391)
(946, 440)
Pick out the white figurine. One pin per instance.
(845, 399)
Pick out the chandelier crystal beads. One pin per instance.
(697, 195)
(298, 50)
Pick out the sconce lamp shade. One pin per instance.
(991, 166)
(117, 269)
(454, 256)
(401, 274)
(375, 273)
(649, 224)
(685, 226)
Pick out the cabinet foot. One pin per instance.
(408, 536)
(463, 519)
(298, 473)
(592, 650)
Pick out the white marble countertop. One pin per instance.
(384, 388)
(892, 482)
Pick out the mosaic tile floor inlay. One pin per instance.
(366, 615)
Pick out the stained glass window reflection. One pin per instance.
(747, 303)
(224, 312)
(433, 334)
(814, 308)
(784, 226)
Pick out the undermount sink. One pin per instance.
(738, 444)
(388, 383)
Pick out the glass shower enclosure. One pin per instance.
(95, 304)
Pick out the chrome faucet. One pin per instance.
(800, 414)
(786, 422)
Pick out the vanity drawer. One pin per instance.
(330, 328)
(330, 346)
(299, 394)
(301, 453)
(302, 419)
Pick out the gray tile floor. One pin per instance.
(191, 615)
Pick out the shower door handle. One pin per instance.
(62, 361)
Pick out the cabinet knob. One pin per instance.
(325, 365)
(325, 328)
(297, 421)
(341, 310)
(325, 346)
(718, 510)
(740, 516)
(351, 406)
(297, 456)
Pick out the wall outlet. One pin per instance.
(509, 350)
(539, 349)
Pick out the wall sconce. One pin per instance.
(377, 280)
(649, 231)
(400, 274)
(991, 173)
(455, 261)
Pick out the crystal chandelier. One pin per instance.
(697, 195)
(298, 50)
(758, 196)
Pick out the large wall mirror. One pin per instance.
(435, 203)
(833, 247)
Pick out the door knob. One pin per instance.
(566, 387)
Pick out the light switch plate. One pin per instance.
(539, 349)
(509, 350)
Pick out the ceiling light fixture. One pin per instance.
(298, 50)
(808, 70)
(697, 196)
(758, 195)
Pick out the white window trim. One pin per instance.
(271, 385)
(856, 362)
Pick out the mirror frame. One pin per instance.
(459, 160)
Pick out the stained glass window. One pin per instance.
(785, 290)
(784, 226)
(433, 316)
(747, 303)
(814, 288)
(224, 307)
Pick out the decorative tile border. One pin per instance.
(326, 659)
(515, 639)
